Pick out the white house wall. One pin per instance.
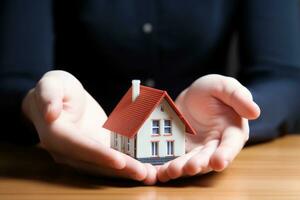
(122, 144)
(144, 136)
(112, 140)
(113, 143)
(131, 150)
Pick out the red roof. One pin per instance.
(128, 117)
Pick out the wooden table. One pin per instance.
(265, 171)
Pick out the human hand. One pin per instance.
(69, 124)
(218, 108)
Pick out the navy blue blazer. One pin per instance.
(168, 44)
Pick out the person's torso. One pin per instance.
(167, 44)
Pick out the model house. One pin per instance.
(147, 125)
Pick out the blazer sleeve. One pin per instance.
(270, 64)
(26, 52)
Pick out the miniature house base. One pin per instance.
(157, 161)
(147, 126)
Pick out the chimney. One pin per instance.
(135, 89)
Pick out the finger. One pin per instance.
(227, 90)
(205, 170)
(135, 169)
(93, 169)
(49, 95)
(234, 94)
(162, 174)
(241, 102)
(59, 90)
(175, 167)
(199, 162)
(232, 142)
(79, 147)
(151, 175)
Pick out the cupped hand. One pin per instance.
(69, 124)
(218, 108)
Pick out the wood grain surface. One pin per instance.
(265, 171)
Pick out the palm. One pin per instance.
(86, 119)
(69, 123)
(209, 116)
(72, 111)
(218, 108)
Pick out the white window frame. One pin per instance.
(116, 140)
(170, 147)
(169, 127)
(154, 148)
(155, 127)
(128, 144)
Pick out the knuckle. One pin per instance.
(233, 80)
(173, 170)
(39, 84)
(53, 73)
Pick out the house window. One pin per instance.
(128, 144)
(155, 127)
(116, 140)
(167, 126)
(162, 109)
(154, 149)
(170, 148)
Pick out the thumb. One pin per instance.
(229, 91)
(234, 94)
(49, 96)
